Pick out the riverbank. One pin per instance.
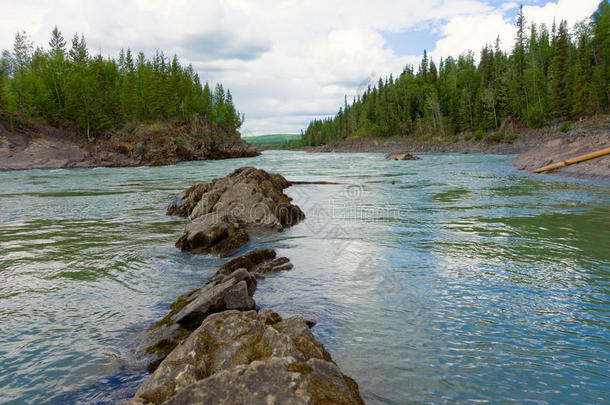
(536, 148)
(28, 144)
(572, 144)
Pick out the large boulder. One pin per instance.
(219, 213)
(239, 357)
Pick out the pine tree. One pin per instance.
(22, 55)
(583, 103)
(560, 92)
(57, 44)
(518, 89)
(601, 46)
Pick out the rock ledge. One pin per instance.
(225, 352)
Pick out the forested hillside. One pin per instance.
(68, 86)
(551, 73)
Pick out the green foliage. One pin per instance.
(558, 74)
(565, 127)
(495, 137)
(275, 141)
(71, 87)
(272, 138)
(478, 135)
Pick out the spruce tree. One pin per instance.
(583, 103)
(560, 91)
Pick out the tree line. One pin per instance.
(70, 87)
(548, 75)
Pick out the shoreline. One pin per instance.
(534, 148)
(26, 145)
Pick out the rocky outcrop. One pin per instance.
(220, 212)
(225, 352)
(28, 144)
(221, 293)
(231, 287)
(400, 156)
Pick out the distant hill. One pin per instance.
(274, 141)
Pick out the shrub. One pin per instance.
(497, 137)
(479, 135)
(565, 127)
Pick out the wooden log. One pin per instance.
(571, 161)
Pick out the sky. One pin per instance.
(285, 61)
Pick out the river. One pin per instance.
(449, 279)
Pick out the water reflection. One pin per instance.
(450, 279)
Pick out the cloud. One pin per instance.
(210, 46)
(473, 32)
(285, 61)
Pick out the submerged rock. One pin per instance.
(219, 212)
(401, 156)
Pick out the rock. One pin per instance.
(212, 233)
(401, 156)
(248, 357)
(220, 351)
(219, 212)
(231, 287)
(562, 147)
(233, 291)
(257, 261)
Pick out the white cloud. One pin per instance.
(285, 61)
(473, 31)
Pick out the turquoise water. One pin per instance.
(449, 279)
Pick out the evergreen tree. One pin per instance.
(560, 91)
(546, 75)
(583, 102)
(21, 58)
(94, 94)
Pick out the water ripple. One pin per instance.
(451, 279)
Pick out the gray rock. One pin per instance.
(219, 212)
(275, 381)
(258, 261)
(233, 291)
(401, 156)
(248, 357)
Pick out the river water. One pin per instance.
(449, 279)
